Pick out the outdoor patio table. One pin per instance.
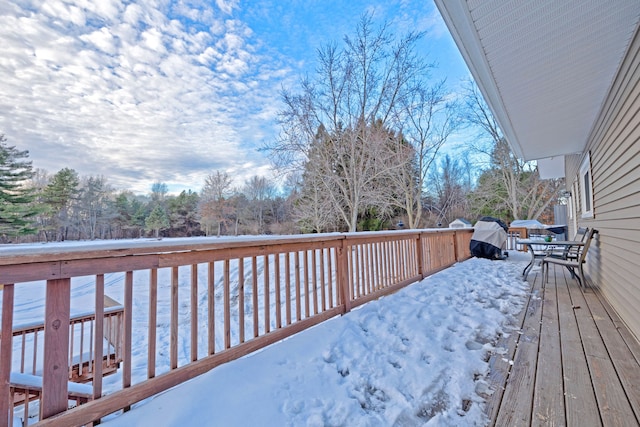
(530, 243)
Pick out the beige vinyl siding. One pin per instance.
(614, 149)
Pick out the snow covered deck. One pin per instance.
(574, 362)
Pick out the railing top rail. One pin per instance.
(42, 252)
(77, 250)
(77, 318)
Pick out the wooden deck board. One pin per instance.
(615, 409)
(579, 397)
(515, 408)
(548, 408)
(621, 357)
(574, 362)
(500, 365)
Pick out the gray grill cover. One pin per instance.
(489, 238)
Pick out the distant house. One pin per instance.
(562, 79)
(460, 223)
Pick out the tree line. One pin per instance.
(360, 148)
(38, 206)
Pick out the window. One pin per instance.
(586, 188)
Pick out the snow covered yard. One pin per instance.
(417, 357)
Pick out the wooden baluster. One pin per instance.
(81, 358)
(241, 298)
(386, 249)
(287, 273)
(323, 283)
(227, 305)
(173, 351)
(194, 312)
(34, 365)
(211, 301)
(330, 251)
(377, 281)
(254, 290)
(354, 262)
(99, 337)
(276, 259)
(314, 279)
(126, 329)
(307, 305)
(153, 319)
(23, 347)
(72, 331)
(298, 284)
(369, 267)
(267, 308)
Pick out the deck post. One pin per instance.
(342, 276)
(5, 354)
(56, 348)
(98, 337)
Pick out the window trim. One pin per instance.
(585, 183)
(571, 201)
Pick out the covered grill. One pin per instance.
(489, 238)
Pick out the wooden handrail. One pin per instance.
(253, 291)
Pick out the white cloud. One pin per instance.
(153, 40)
(132, 14)
(227, 6)
(138, 93)
(102, 39)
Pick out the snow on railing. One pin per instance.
(193, 304)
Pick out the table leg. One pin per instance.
(529, 266)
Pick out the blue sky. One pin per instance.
(171, 91)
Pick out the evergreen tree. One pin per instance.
(183, 214)
(62, 195)
(157, 220)
(16, 199)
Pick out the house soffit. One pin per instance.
(544, 67)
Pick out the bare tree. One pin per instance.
(449, 191)
(259, 192)
(159, 192)
(428, 119)
(355, 169)
(95, 206)
(312, 207)
(514, 186)
(214, 207)
(509, 183)
(339, 123)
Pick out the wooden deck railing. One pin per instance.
(251, 292)
(81, 345)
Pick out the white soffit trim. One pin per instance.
(545, 66)
(551, 167)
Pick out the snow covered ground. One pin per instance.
(417, 357)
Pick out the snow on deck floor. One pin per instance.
(417, 357)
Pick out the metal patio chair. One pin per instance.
(569, 263)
